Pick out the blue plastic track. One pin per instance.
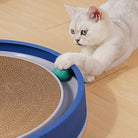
(70, 124)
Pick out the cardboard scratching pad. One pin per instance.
(29, 94)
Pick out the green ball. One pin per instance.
(62, 74)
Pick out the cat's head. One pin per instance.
(88, 26)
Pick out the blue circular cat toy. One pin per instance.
(69, 120)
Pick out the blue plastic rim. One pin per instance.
(70, 124)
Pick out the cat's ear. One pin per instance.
(71, 10)
(94, 14)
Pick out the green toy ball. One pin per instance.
(62, 74)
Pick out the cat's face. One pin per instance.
(87, 27)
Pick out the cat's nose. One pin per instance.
(77, 40)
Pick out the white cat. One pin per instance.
(107, 36)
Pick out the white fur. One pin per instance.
(108, 42)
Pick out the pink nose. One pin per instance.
(77, 40)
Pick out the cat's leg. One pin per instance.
(66, 60)
(103, 57)
(95, 64)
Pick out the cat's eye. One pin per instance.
(84, 32)
(72, 31)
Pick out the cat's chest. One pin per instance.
(88, 51)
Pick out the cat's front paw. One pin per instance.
(88, 78)
(64, 61)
